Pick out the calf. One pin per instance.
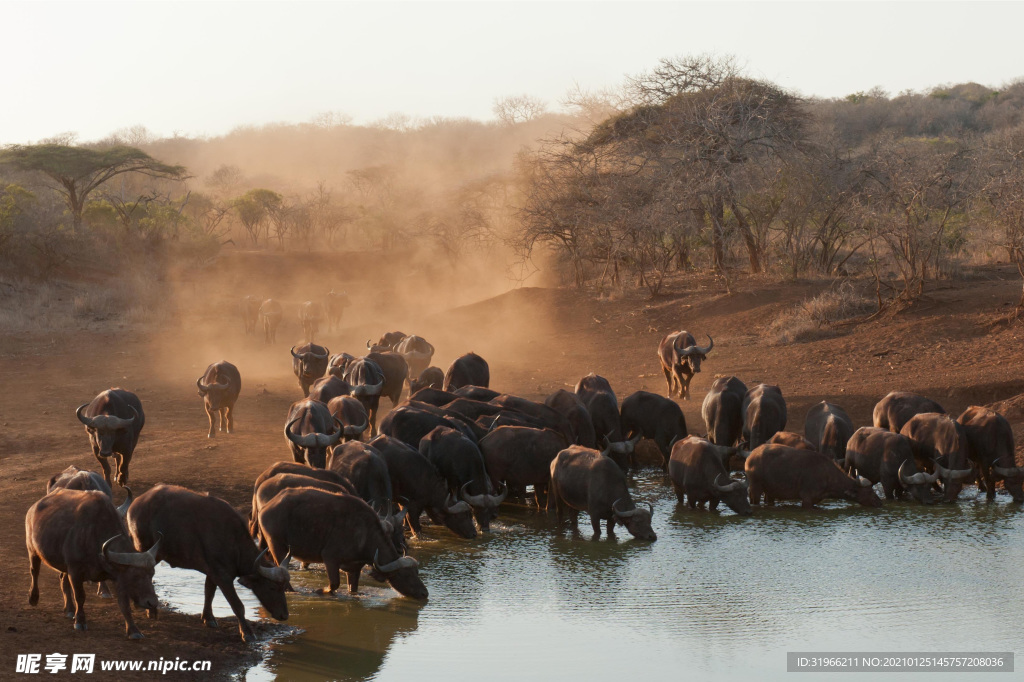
(583, 479)
(204, 533)
(219, 388)
(80, 534)
(334, 308)
(113, 420)
(597, 396)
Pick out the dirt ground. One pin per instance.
(536, 340)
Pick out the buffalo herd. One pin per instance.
(457, 450)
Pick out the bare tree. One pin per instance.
(515, 109)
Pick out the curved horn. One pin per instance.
(916, 479)
(952, 474)
(607, 445)
(152, 551)
(123, 509)
(140, 559)
(731, 486)
(200, 386)
(368, 344)
(863, 482)
(368, 389)
(321, 356)
(473, 500)
(704, 350)
(356, 430)
(278, 574)
(622, 514)
(78, 413)
(336, 436)
(1006, 472)
(294, 354)
(453, 507)
(302, 441)
(400, 562)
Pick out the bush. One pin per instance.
(816, 318)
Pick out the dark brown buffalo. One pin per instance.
(940, 444)
(417, 352)
(250, 308)
(267, 488)
(204, 533)
(764, 414)
(462, 464)
(309, 363)
(279, 468)
(365, 469)
(510, 418)
(793, 440)
(698, 473)
(420, 487)
(367, 381)
(520, 456)
(722, 411)
(338, 363)
(80, 534)
(113, 420)
(597, 396)
(779, 472)
(271, 313)
(325, 389)
(311, 313)
(680, 359)
(880, 455)
(652, 416)
(476, 393)
(990, 446)
(570, 406)
(410, 423)
(468, 370)
(431, 377)
(351, 414)
(396, 371)
(583, 479)
(433, 396)
(463, 423)
(219, 388)
(343, 532)
(897, 408)
(829, 429)
(387, 342)
(334, 308)
(311, 431)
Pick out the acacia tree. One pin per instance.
(75, 172)
(255, 208)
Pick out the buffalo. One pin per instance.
(474, 392)
(417, 352)
(343, 532)
(880, 455)
(204, 533)
(990, 446)
(468, 370)
(351, 414)
(310, 315)
(597, 396)
(395, 370)
(267, 488)
(271, 314)
(367, 381)
(281, 468)
(571, 407)
(779, 472)
(940, 442)
(410, 423)
(80, 534)
(583, 479)
(113, 420)
(897, 408)
(828, 428)
(325, 389)
(652, 416)
(462, 464)
(334, 308)
(431, 377)
(311, 430)
(219, 388)
(309, 363)
(722, 411)
(680, 359)
(420, 487)
(791, 439)
(387, 342)
(519, 456)
(698, 473)
(250, 308)
(338, 363)
(764, 414)
(73, 478)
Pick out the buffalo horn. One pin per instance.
(357, 429)
(123, 509)
(863, 482)
(140, 559)
(453, 507)
(294, 354)
(78, 413)
(622, 514)
(278, 574)
(400, 562)
(1007, 472)
(731, 486)
(953, 474)
(473, 500)
(495, 500)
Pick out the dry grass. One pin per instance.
(816, 317)
(33, 306)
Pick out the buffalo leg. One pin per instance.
(209, 590)
(227, 588)
(125, 605)
(102, 590)
(596, 524)
(412, 517)
(106, 467)
(611, 527)
(754, 492)
(122, 468)
(33, 568)
(990, 483)
(69, 595)
(353, 580)
(334, 577)
(79, 591)
(713, 504)
(540, 495)
(209, 413)
(668, 380)
(229, 412)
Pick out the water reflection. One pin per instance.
(718, 596)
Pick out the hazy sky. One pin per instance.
(202, 68)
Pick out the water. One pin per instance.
(717, 596)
